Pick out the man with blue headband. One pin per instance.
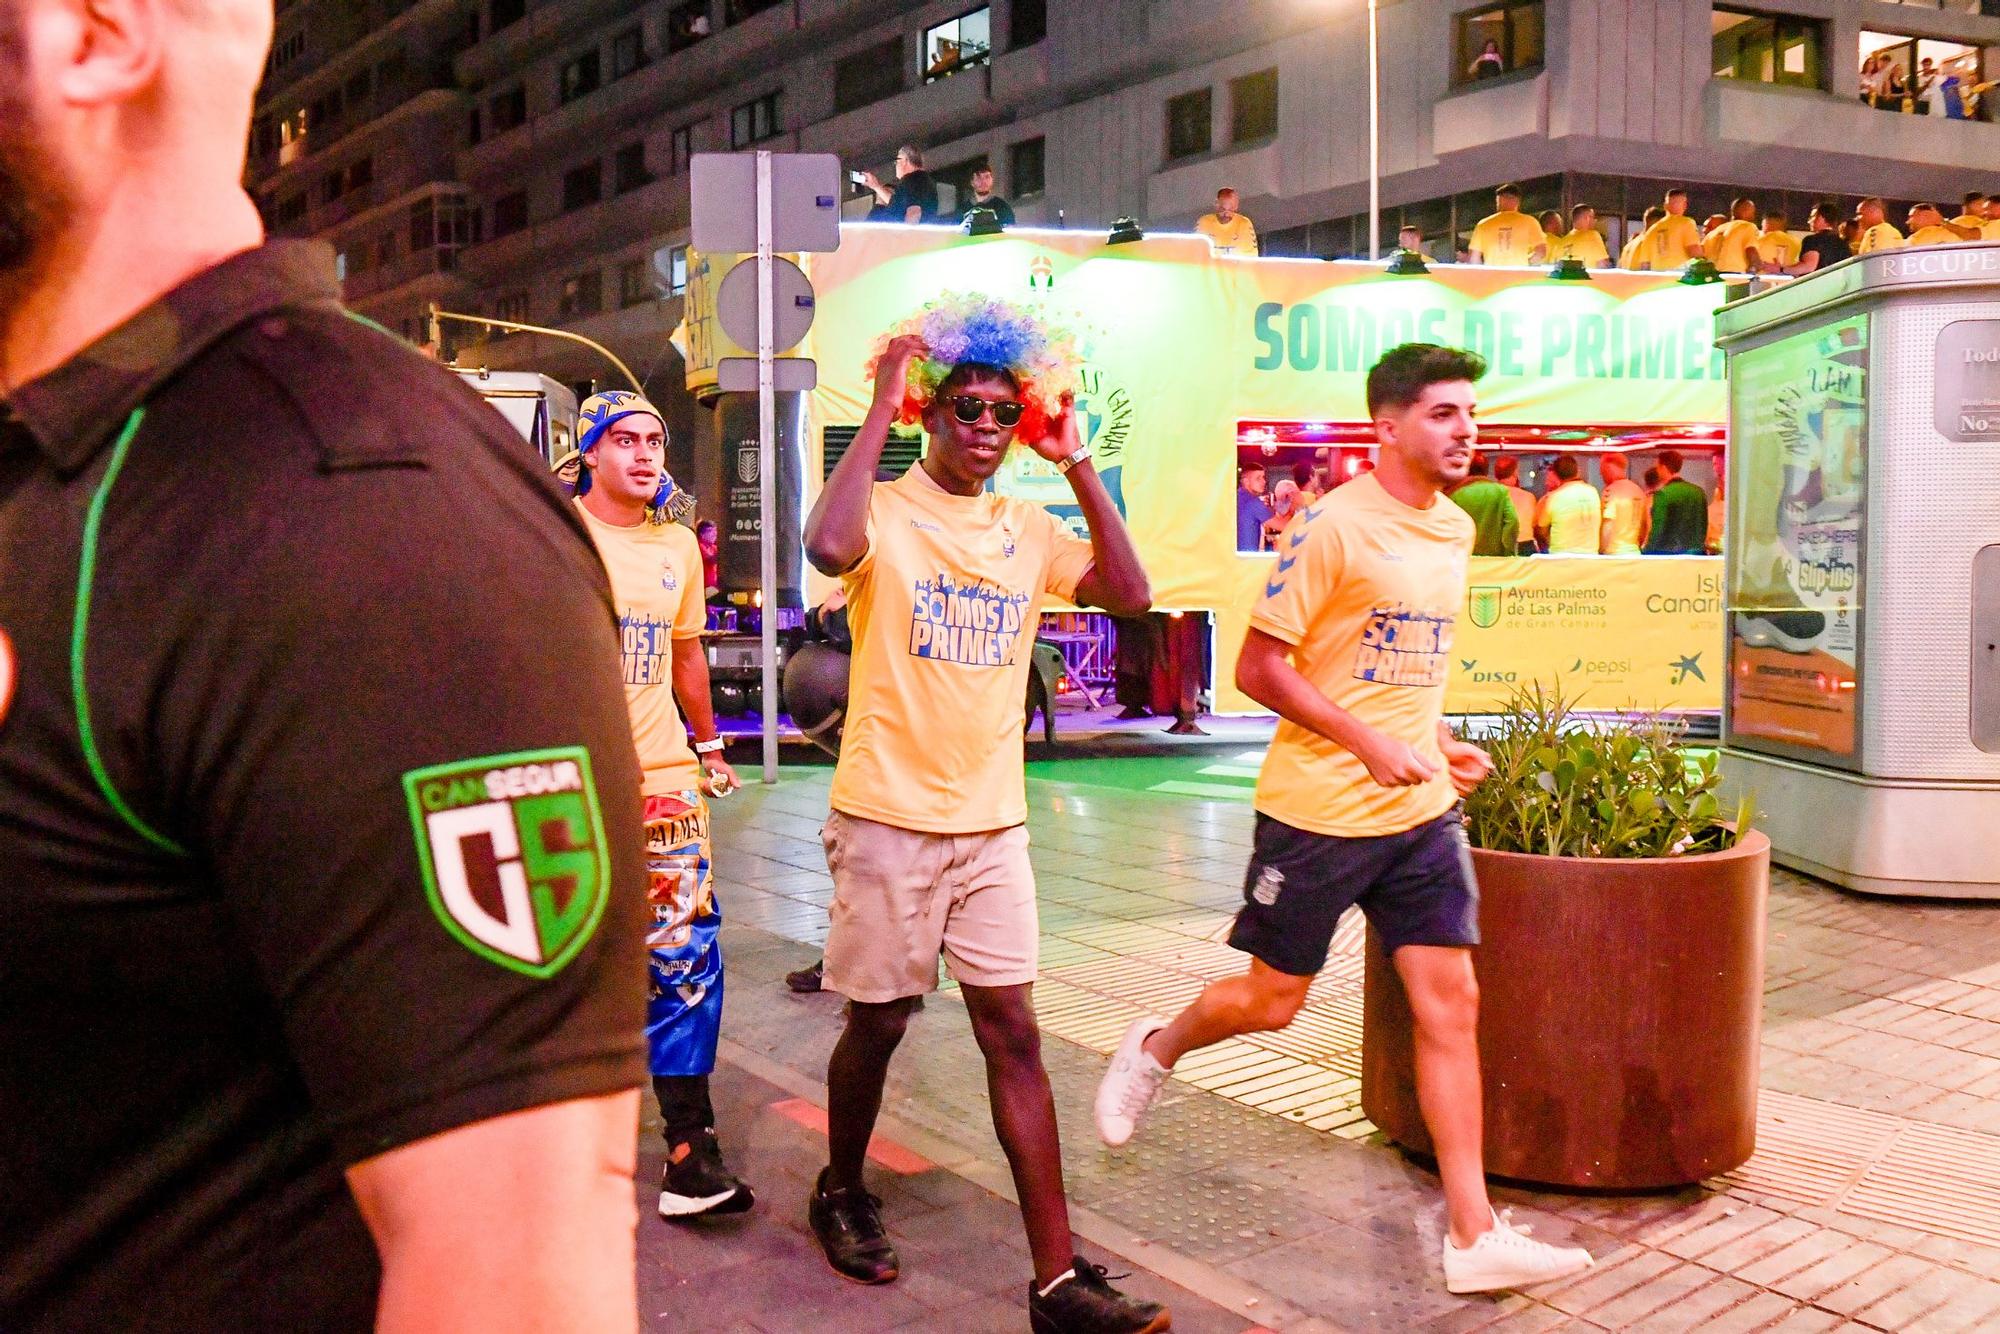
(627, 500)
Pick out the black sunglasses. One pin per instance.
(969, 410)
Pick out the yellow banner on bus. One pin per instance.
(1180, 346)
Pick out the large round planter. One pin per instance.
(1619, 1017)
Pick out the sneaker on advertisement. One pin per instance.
(697, 1184)
(1505, 1256)
(1793, 631)
(1084, 1302)
(848, 1224)
(1130, 1085)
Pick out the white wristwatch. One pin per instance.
(1082, 453)
(709, 747)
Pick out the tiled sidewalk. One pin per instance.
(1874, 1197)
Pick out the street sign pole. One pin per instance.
(767, 466)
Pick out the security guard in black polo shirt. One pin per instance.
(321, 903)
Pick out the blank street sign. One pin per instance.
(805, 202)
(792, 304)
(789, 375)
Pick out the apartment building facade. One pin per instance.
(527, 159)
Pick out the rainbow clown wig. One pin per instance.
(969, 329)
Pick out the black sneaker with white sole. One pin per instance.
(698, 1184)
(1086, 1303)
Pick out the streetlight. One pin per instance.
(1374, 135)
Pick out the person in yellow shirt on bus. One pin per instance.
(1357, 802)
(927, 841)
(1628, 258)
(1990, 229)
(1507, 235)
(1507, 472)
(1570, 518)
(1928, 227)
(1732, 247)
(1582, 241)
(1877, 232)
(1672, 241)
(1228, 229)
(1972, 216)
(1628, 510)
(1777, 248)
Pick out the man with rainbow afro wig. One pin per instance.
(927, 840)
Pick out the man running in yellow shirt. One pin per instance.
(1507, 235)
(1357, 801)
(1877, 232)
(1777, 248)
(1582, 241)
(1628, 257)
(1672, 241)
(927, 841)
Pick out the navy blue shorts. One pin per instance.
(1415, 888)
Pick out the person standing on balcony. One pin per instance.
(913, 199)
(1823, 246)
(1571, 516)
(1582, 241)
(1928, 227)
(1508, 236)
(983, 197)
(1628, 258)
(1732, 246)
(1672, 241)
(1228, 229)
(1876, 231)
(1777, 248)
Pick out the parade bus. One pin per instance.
(1197, 362)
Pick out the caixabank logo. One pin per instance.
(513, 856)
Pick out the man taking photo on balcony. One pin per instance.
(913, 199)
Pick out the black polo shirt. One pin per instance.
(319, 814)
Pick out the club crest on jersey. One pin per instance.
(513, 854)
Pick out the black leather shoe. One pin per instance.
(1088, 1304)
(848, 1224)
(807, 980)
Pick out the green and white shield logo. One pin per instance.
(512, 850)
(1482, 605)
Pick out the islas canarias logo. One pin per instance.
(513, 854)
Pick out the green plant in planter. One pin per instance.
(1563, 786)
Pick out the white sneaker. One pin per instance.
(1506, 1257)
(1130, 1085)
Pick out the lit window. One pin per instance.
(959, 44)
(1498, 39)
(1767, 48)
